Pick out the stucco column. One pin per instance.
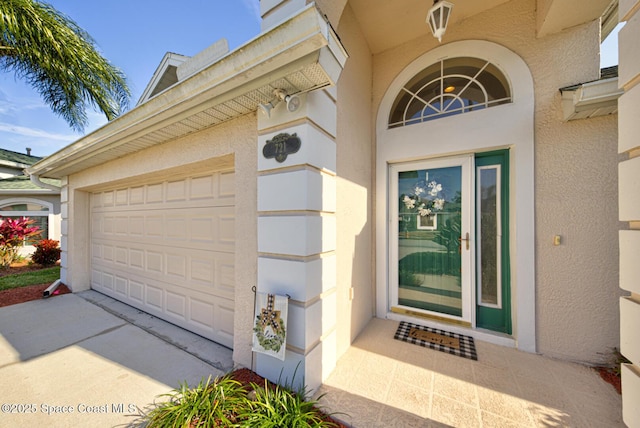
(74, 237)
(629, 200)
(297, 236)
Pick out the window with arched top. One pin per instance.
(448, 87)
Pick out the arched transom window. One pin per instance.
(450, 86)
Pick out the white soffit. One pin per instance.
(299, 55)
(598, 98)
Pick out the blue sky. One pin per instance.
(134, 35)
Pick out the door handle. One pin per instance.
(466, 239)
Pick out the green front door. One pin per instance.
(493, 293)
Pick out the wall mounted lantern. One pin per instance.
(438, 18)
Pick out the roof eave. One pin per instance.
(593, 99)
(305, 40)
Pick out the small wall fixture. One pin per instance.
(267, 107)
(293, 101)
(438, 18)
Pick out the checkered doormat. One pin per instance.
(440, 340)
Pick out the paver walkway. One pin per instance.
(383, 382)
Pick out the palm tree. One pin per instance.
(60, 60)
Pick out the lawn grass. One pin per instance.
(41, 276)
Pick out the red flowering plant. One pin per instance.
(47, 252)
(13, 232)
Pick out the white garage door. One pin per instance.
(168, 249)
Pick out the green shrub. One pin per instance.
(47, 252)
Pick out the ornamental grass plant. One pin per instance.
(275, 407)
(226, 402)
(210, 404)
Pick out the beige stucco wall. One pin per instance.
(576, 192)
(235, 140)
(354, 186)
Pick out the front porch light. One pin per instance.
(438, 18)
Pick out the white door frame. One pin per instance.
(468, 226)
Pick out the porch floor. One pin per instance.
(383, 382)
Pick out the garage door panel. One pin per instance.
(183, 306)
(153, 226)
(154, 262)
(224, 321)
(169, 249)
(176, 191)
(176, 227)
(214, 189)
(162, 205)
(153, 194)
(227, 185)
(225, 274)
(153, 299)
(107, 252)
(177, 266)
(202, 270)
(104, 276)
(136, 258)
(136, 226)
(203, 187)
(121, 256)
(136, 195)
(96, 251)
(205, 228)
(96, 225)
(202, 313)
(176, 305)
(211, 290)
(122, 197)
(136, 292)
(206, 270)
(121, 286)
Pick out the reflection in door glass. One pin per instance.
(429, 246)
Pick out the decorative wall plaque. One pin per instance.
(281, 146)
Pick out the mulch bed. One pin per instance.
(28, 293)
(608, 375)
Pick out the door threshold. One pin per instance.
(430, 317)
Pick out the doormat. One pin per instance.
(440, 340)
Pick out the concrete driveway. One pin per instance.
(87, 360)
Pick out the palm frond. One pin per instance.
(60, 60)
